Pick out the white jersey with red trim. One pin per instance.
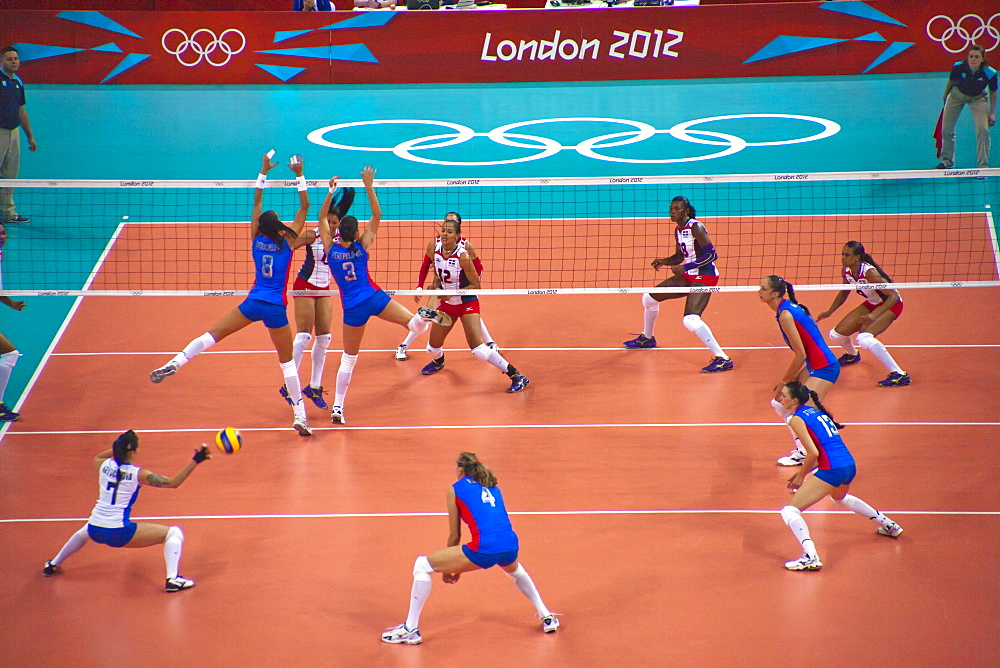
(873, 296)
(449, 269)
(314, 269)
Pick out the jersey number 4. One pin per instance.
(488, 498)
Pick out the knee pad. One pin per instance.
(347, 363)
(174, 535)
(692, 322)
(782, 412)
(866, 340)
(303, 338)
(516, 573)
(482, 352)
(649, 303)
(840, 502)
(422, 569)
(322, 341)
(9, 359)
(790, 513)
(837, 336)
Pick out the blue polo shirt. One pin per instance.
(11, 100)
(971, 84)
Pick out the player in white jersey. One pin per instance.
(692, 264)
(454, 270)
(880, 309)
(8, 353)
(314, 313)
(425, 266)
(110, 524)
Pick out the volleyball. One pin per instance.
(229, 440)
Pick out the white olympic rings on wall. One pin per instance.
(204, 51)
(956, 28)
(589, 148)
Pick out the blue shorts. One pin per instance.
(112, 537)
(274, 316)
(489, 560)
(831, 372)
(842, 475)
(358, 315)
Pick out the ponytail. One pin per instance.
(783, 288)
(815, 400)
(801, 394)
(125, 443)
(859, 249)
(475, 469)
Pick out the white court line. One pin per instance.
(557, 350)
(548, 513)
(604, 425)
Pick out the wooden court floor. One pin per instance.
(644, 493)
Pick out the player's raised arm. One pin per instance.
(371, 229)
(258, 193)
(325, 233)
(297, 165)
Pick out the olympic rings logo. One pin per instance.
(589, 148)
(204, 51)
(956, 28)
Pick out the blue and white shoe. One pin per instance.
(847, 359)
(7, 415)
(168, 369)
(432, 367)
(283, 391)
(641, 342)
(401, 635)
(718, 365)
(550, 624)
(517, 383)
(315, 395)
(804, 563)
(895, 379)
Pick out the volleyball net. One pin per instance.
(929, 228)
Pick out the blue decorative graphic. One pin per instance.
(110, 47)
(38, 51)
(870, 37)
(786, 44)
(859, 10)
(128, 62)
(96, 20)
(350, 52)
(282, 35)
(283, 73)
(892, 50)
(363, 20)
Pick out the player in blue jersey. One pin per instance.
(110, 524)
(835, 470)
(272, 243)
(347, 256)
(476, 500)
(314, 313)
(692, 264)
(813, 362)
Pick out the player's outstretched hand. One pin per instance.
(266, 164)
(296, 164)
(368, 176)
(201, 454)
(333, 182)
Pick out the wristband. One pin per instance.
(261, 178)
(300, 184)
(333, 191)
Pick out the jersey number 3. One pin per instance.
(349, 274)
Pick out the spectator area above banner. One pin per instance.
(388, 47)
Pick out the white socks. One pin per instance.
(410, 336)
(844, 341)
(868, 342)
(793, 518)
(291, 375)
(172, 550)
(697, 326)
(527, 587)
(651, 310)
(299, 346)
(344, 374)
(72, 546)
(7, 363)
(487, 354)
(418, 324)
(420, 591)
(193, 349)
(320, 345)
(859, 507)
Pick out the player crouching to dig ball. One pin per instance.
(109, 523)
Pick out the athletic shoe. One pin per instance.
(517, 383)
(434, 316)
(315, 394)
(794, 458)
(168, 369)
(892, 530)
(641, 342)
(718, 364)
(283, 391)
(847, 359)
(50, 569)
(941, 165)
(178, 583)
(18, 219)
(402, 636)
(337, 415)
(301, 426)
(493, 346)
(895, 379)
(432, 367)
(550, 624)
(401, 353)
(804, 563)
(7, 415)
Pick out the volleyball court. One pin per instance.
(645, 494)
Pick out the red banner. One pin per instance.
(707, 42)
